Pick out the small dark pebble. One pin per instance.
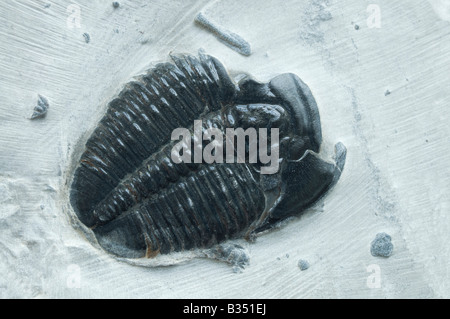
(87, 37)
(303, 264)
(356, 27)
(381, 246)
(387, 93)
(116, 4)
(40, 111)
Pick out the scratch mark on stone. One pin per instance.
(232, 40)
(87, 37)
(384, 198)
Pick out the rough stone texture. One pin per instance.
(40, 110)
(303, 264)
(382, 246)
(396, 177)
(233, 254)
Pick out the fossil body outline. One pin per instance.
(140, 204)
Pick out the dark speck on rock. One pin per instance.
(303, 264)
(381, 246)
(387, 93)
(356, 27)
(116, 4)
(40, 111)
(87, 37)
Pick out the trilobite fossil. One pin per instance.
(139, 203)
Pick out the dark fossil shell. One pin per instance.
(139, 203)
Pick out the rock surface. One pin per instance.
(396, 177)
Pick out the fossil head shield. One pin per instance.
(140, 200)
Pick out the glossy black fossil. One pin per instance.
(139, 203)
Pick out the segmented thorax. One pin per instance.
(129, 191)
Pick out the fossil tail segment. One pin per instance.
(306, 181)
(305, 176)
